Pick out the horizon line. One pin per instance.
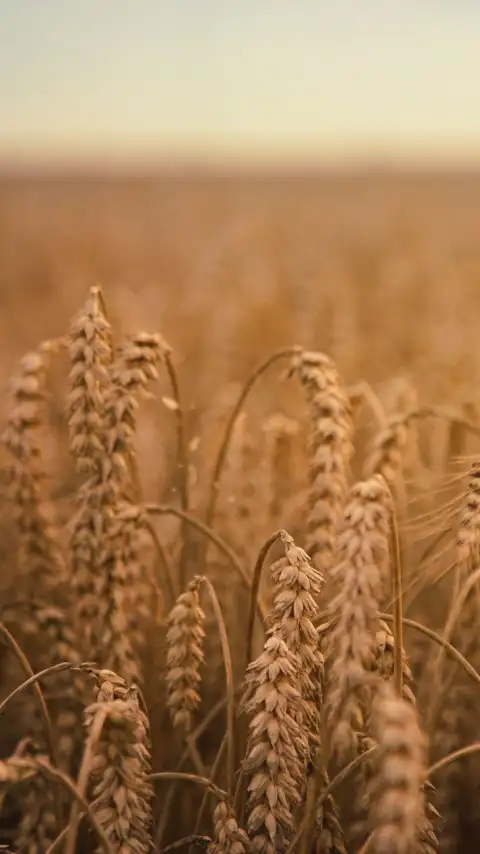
(137, 165)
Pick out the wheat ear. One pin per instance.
(296, 592)
(331, 430)
(396, 795)
(121, 765)
(40, 557)
(184, 656)
(228, 837)
(277, 746)
(360, 571)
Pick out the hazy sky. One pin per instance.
(248, 78)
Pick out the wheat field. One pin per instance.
(239, 581)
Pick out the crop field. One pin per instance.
(239, 486)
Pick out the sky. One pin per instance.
(219, 80)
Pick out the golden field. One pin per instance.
(137, 467)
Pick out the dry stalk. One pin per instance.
(452, 651)
(51, 624)
(204, 782)
(39, 823)
(47, 627)
(397, 603)
(236, 564)
(27, 668)
(224, 447)
(19, 768)
(227, 662)
(182, 459)
(256, 579)
(213, 773)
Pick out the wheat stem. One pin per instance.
(469, 750)
(397, 605)
(83, 777)
(164, 510)
(222, 454)
(193, 839)
(161, 776)
(216, 764)
(256, 578)
(16, 649)
(227, 661)
(55, 668)
(59, 777)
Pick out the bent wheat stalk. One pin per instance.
(285, 352)
(257, 575)
(165, 510)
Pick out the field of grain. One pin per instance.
(239, 580)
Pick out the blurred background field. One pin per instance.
(380, 270)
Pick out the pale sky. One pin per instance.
(267, 79)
